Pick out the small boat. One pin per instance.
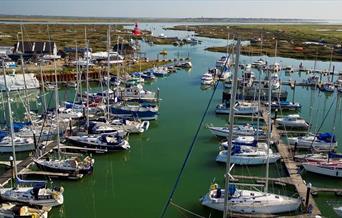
(248, 155)
(321, 141)
(240, 108)
(249, 202)
(242, 140)
(9, 210)
(135, 93)
(292, 121)
(238, 130)
(184, 64)
(108, 142)
(275, 81)
(139, 111)
(207, 79)
(332, 168)
(327, 87)
(163, 52)
(312, 80)
(285, 105)
(147, 75)
(288, 69)
(68, 165)
(159, 71)
(21, 144)
(259, 63)
(37, 195)
(222, 62)
(275, 67)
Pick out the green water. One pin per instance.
(138, 182)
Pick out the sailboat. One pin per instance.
(328, 167)
(36, 194)
(321, 141)
(74, 164)
(235, 200)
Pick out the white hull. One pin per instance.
(223, 132)
(327, 171)
(247, 159)
(24, 195)
(253, 202)
(310, 142)
(338, 211)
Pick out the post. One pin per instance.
(308, 189)
(12, 166)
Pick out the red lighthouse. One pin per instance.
(136, 31)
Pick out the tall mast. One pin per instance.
(43, 86)
(10, 121)
(334, 124)
(259, 93)
(87, 79)
(108, 69)
(23, 70)
(231, 123)
(269, 121)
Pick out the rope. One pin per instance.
(188, 154)
(188, 211)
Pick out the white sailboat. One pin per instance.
(243, 130)
(322, 141)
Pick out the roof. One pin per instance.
(35, 47)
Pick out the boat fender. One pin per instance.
(213, 186)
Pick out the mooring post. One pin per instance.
(308, 189)
(12, 166)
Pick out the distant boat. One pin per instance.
(338, 211)
(135, 111)
(163, 52)
(240, 108)
(207, 79)
(285, 105)
(328, 87)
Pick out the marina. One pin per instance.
(145, 163)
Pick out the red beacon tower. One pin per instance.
(136, 31)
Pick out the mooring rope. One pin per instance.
(189, 153)
(188, 211)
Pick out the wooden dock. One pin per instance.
(291, 167)
(8, 175)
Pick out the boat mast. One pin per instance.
(57, 107)
(10, 121)
(23, 70)
(108, 69)
(334, 125)
(87, 79)
(269, 121)
(231, 123)
(259, 105)
(43, 86)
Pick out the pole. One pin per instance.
(10, 121)
(108, 71)
(231, 123)
(87, 79)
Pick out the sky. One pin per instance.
(307, 9)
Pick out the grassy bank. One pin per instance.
(290, 39)
(64, 35)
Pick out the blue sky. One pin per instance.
(311, 9)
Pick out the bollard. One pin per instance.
(308, 189)
(12, 166)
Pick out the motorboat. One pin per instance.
(207, 79)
